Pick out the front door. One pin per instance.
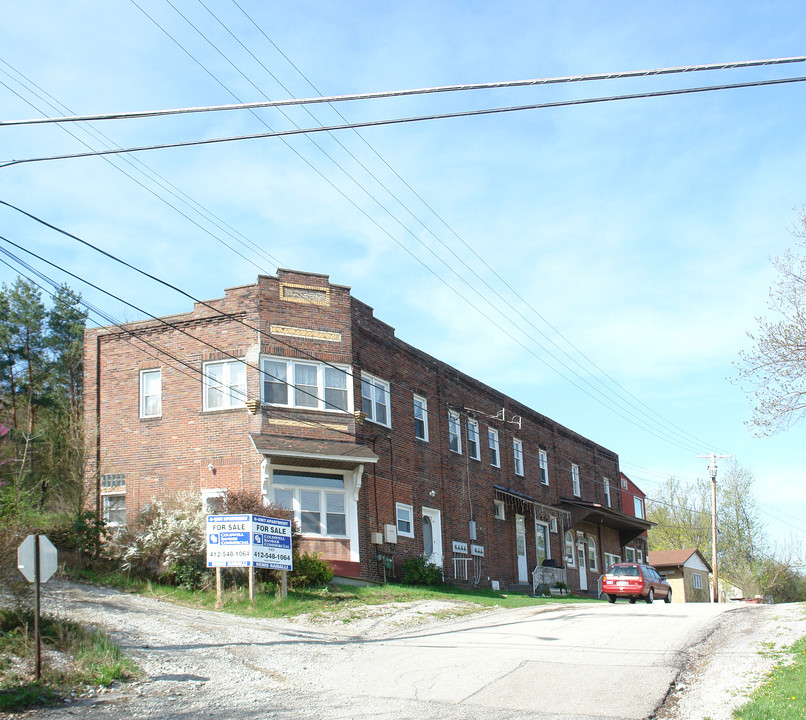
(432, 535)
(583, 566)
(520, 543)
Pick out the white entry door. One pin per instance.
(582, 564)
(520, 543)
(432, 535)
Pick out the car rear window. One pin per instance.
(629, 570)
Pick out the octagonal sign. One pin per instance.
(48, 558)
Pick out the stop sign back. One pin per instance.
(48, 558)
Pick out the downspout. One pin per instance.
(98, 506)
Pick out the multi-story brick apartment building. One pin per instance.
(633, 501)
(292, 387)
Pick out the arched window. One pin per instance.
(592, 561)
(569, 549)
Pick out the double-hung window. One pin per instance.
(405, 520)
(575, 480)
(305, 384)
(495, 457)
(150, 393)
(543, 459)
(639, 507)
(607, 492)
(473, 447)
(224, 384)
(570, 555)
(454, 431)
(420, 418)
(318, 501)
(375, 399)
(114, 510)
(517, 448)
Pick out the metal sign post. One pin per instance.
(37, 560)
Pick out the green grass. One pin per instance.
(90, 659)
(318, 601)
(783, 694)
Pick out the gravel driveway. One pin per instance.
(202, 664)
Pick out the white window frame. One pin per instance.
(547, 535)
(696, 579)
(145, 396)
(455, 431)
(629, 554)
(105, 510)
(495, 448)
(639, 554)
(570, 545)
(638, 505)
(323, 492)
(517, 453)
(608, 500)
(380, 397)
(314, 399)
(211, 494)
(543, 460)
(500, 510)
(553, 523)
(403, 508)
(593, 555)
(575, 484)
(233, 397)
(611, 559)
(473, 444)
(421, 415)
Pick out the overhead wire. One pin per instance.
(405, 120)
(404, 93)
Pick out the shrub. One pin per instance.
(166, 541)
(417, 570)
(310, 571)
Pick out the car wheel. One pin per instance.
(632, 601)
(668, 597)
(611, 598)
(650, 596)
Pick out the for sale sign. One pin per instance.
(248, 541)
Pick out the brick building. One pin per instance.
(292, 387)
(633, 501)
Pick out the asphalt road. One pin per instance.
(614, 662)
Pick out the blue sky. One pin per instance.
(640, 232)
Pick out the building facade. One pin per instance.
(687, 571)
(292, 388)
(633, 500)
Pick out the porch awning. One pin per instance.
(320, 453)
(629, 527)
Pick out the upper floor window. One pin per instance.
(375, 399)
(495, 457)
(517, 447)
(454, 431)
(473, 447)
(305, 384)
(639, 507)
(544, 466)
(224, 384)
(607, 492)
(575, 480)
(420, 418)
(150, 393)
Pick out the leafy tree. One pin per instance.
(683, 516)
(773, 371)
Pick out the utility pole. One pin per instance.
(712, 473)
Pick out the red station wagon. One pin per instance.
(634, 581)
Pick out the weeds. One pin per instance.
(74, 658)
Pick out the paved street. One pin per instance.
(581, 661)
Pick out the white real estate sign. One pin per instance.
(248, 541)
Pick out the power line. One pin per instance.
(411, 92)
(413, 119)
